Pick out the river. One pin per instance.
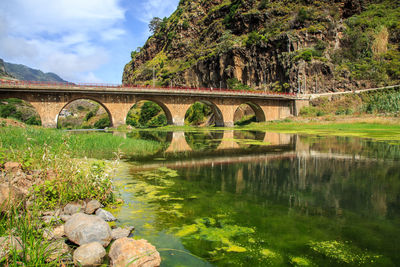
(238, 198)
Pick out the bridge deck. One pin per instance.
(56, 87)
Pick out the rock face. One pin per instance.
(82, 229)
(91, 254)
(287, 46)
(128, 252)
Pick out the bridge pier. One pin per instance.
(177, 113)
(48, 112)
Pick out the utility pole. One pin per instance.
(154, 77)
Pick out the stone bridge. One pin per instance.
(50, 98)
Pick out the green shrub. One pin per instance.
(232, 12)
(89, 115)
(33, 120)
(7, 110)
(102, 123)
(254, 38)
(197, 113)
(308, 111)
(235, 84)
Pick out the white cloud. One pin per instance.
(68, 37)
(157, 8)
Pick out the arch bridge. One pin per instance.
(50, 98)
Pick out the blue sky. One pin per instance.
(80, 40)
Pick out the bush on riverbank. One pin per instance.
(372, 102)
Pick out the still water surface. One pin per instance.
(265, 199)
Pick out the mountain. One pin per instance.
(3, 72)
(279, 45)
(22, 72)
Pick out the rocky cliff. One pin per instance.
(289, 45)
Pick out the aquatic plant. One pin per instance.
(343, 252)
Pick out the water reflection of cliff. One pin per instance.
(317, 178)
(318, 175)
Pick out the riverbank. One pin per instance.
(366, 126)
(378, 128)
(43, 171)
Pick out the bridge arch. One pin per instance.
(240, 112)
(90, 98)
(163, 106)
(216, 114)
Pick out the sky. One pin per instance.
(87, 41)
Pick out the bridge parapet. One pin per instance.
(135, 89)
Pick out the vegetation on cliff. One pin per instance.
(370, 102)
(296, 46)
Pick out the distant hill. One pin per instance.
(3, 72)
(22, 72)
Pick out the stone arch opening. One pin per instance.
(19, 109)
(204, 113)
(84, 113)
(248, 112)
(148, 113)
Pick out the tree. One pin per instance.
(155, 24)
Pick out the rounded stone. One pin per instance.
(129, 252)
(92, 206)
(105, 215)
(91, 254)
(72, 208)
(83, 229)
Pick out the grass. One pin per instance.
(93, 145)
(375, 129)
(61, 175)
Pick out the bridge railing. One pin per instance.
(106, 85)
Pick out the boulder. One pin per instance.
(119, 232)
(83, 229)
(56, 233)
(92, 206)
(12, 166)
(49, 219)
(9, 195)
(129, 252)
(72, 208)
(105, 215)
(9, 243)
(65, 218)
(90, 254)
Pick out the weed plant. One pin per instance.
(31, 248)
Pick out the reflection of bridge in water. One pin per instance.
(224, 140)
(181, 154)
(271, 146)
(227, 141)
